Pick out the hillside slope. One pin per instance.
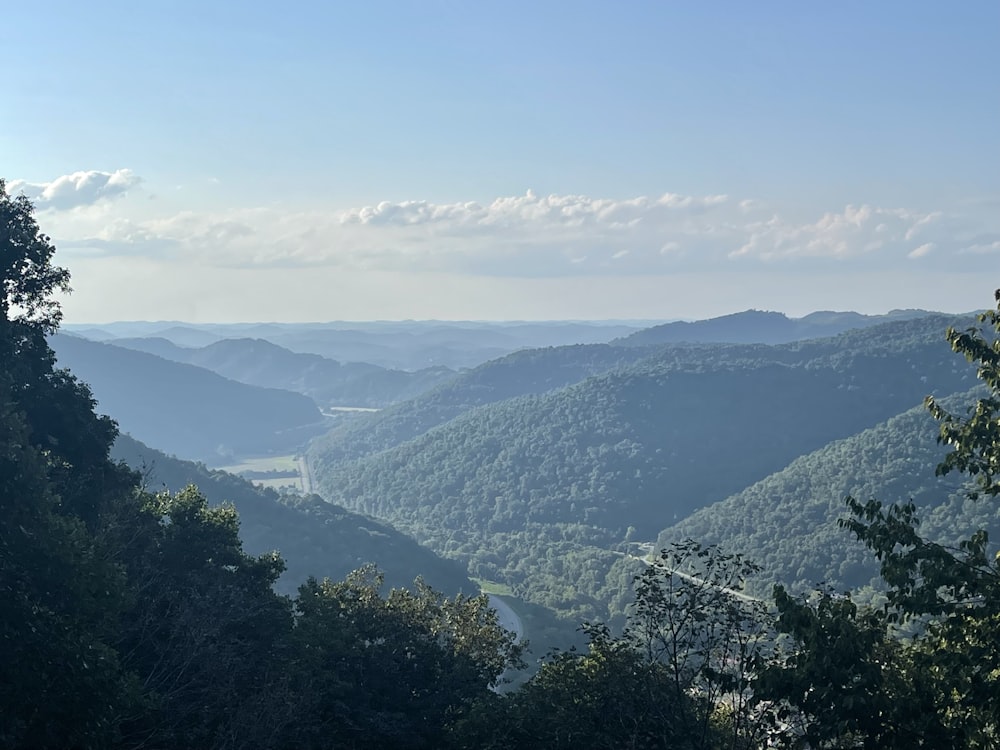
(532, 371)
(787, 522)
(640, 446)
(187, 410)
(328, 382)
(315, 538)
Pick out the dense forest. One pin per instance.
(541, 491)
(135, 618)
(788, 521)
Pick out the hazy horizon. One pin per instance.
(70, 325)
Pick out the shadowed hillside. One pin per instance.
(187, 410)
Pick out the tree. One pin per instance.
(853, 680)
(678, 676)
(393, 671)
(203, 632)
(58, 598)
(27, 277)
(607, 698)
(60, 591)
(955, 590)
(848, 680)
(692, 616)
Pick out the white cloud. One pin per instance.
(849, 234)
(569, 211)
(526, 235)
(76, 189)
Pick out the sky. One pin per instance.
(256, 161)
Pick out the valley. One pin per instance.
(644, 502)
(535, 471)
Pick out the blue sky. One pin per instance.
(246, 161)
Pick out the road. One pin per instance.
(305, 478)
(508, 617)
(701, 582)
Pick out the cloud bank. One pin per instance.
(76, 189)
(522, 236)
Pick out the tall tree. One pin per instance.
(61, 590)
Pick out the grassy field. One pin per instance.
(264, 463)
(492, 587)
(269, 463)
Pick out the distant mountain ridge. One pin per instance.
(187, 410)
(328, 382)
(394, 345)
(762, 327)
(537, 371)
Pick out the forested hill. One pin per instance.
(641, 446)
(762, 327)
(315, 538)
(187, 410)
(532, 371)
(537, 371)
(326, 381)
(787, 522)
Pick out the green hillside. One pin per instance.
(509, 486)
(187, 410)
(787, 522)
(531, 371)
(314, 538)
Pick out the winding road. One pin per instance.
(507, 616)
(701, 582)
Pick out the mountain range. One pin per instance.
(185, 410)
(541, 471)
(574, 470)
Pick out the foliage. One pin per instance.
(851, 681)
(692, 616)
(608, 697)
(393, 671)
(787, 522)
(58, 593)
(314, 538)
(27, 277)
(535, 491)
(679, 675)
